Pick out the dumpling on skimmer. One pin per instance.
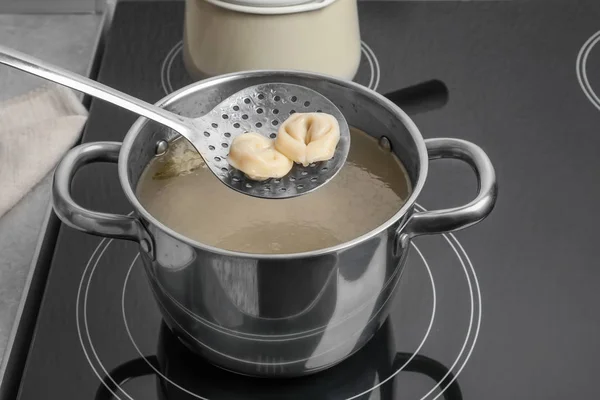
(256, 156)
(308, 137)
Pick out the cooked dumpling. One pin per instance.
(308, 137)
(256, 156)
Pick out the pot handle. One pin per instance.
(452, 219)
(94, 222)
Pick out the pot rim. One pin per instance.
(183, 92)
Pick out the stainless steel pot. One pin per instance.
(276, 315)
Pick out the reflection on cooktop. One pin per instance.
(183, 375)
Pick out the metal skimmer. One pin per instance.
(261, 108)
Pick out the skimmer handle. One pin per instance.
(34, 66)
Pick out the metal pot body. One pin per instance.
(276, 315)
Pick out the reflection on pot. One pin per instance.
(176, 367)
(329, 304)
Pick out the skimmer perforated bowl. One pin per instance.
(262, 109)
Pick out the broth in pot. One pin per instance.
(179, 191)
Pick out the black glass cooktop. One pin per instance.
(507, 309)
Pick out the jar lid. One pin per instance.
(271, 7)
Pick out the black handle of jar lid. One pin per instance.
(437, 371)
(422, 97)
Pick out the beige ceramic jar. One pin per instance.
(222, 37)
